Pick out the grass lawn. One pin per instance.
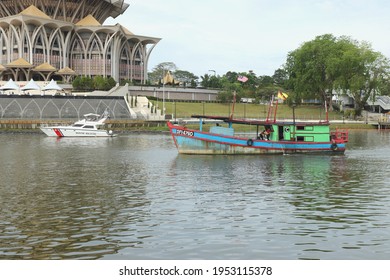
(243, 110)
(257, 111)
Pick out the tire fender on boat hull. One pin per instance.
(249, 142)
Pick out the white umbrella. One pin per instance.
(10, 85)
(31, 85)
(52, 86)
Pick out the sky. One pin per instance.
(217, 36)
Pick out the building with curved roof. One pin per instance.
(41, 38)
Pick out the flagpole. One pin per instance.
(326, 111)
(234, 102)
(163, 94)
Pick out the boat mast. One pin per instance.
(276, 109)
(272, 110)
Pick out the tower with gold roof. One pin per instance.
(40, 39)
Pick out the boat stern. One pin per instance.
(339, 136)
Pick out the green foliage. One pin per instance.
(280, 78)
(266, 81)
(160, 70)
(99, 83)
(83, 83)
(76, 84)
(265, 93)
(327, 64)
(186, 78)
(96, 83)
(124, 82)
(315, 70)
(211, 81)
(310, 67)
(111, 83)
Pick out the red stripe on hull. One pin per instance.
(58, 132)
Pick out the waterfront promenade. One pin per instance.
(129, 107)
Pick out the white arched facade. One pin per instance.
(86, 47)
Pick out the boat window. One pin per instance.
(88, 126)
(305, 138)
(77, 125)
(300, 127)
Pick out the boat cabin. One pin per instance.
(280, 131)
(305, 132)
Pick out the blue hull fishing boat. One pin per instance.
(288, 137)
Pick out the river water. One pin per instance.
(135, 197)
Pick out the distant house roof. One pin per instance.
(34, 11)
(89, 20)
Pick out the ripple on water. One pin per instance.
(134, 197)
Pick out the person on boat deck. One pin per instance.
(265, 134)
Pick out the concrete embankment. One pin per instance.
(141, 125)
(17, 124)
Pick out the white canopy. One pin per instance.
(52, 86)
(31, 85)
(10, 85)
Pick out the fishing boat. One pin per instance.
(272, 136)
(90, 126)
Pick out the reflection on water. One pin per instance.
(134, 197)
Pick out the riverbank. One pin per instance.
(126, 126)
(19, 124)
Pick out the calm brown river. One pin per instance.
(134, 197)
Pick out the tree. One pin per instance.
(160, 70)
(99, 83)
(364, 74)
(265, 81)
(328, 63)
(308, 67)
(280, 77)
(231, 76)
(227, 93)
(211, 81)
(186, 78)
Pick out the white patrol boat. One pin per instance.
(90, 126)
